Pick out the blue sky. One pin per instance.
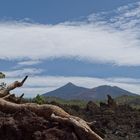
(87, 42)
(53, 11)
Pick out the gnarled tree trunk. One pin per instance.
(47, 111)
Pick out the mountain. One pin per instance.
(100, 92)
(68, 91)
(71, 91)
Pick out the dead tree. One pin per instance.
(10, 103)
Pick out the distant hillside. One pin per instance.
(100, 92)
(71, 91)
(133, 101)
(68, 91)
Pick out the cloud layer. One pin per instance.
(22, 72)
(95, 41)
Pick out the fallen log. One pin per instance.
(82, 130)
(13, 98)
(48, 111)
(55, 113)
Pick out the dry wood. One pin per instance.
(8, 103)
(4, 92)
(82, 130)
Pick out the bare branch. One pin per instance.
(12, 86)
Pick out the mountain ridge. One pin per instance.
(101, 92)
(67, 91)
(72, 91)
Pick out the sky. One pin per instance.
(87, 42)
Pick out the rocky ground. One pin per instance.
(109, 120)
(115, 122)
(25, 125)
(123, 123)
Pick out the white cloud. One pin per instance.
(39, 85)
(22, 72)
(124, 18)
(124, 80)
(92, 41)
(128, 17)
(28, 63)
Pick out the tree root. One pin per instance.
(9, 103)
(81, 128)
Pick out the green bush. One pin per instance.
(2, 75)
(39, 99)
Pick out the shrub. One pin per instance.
(39, 99)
